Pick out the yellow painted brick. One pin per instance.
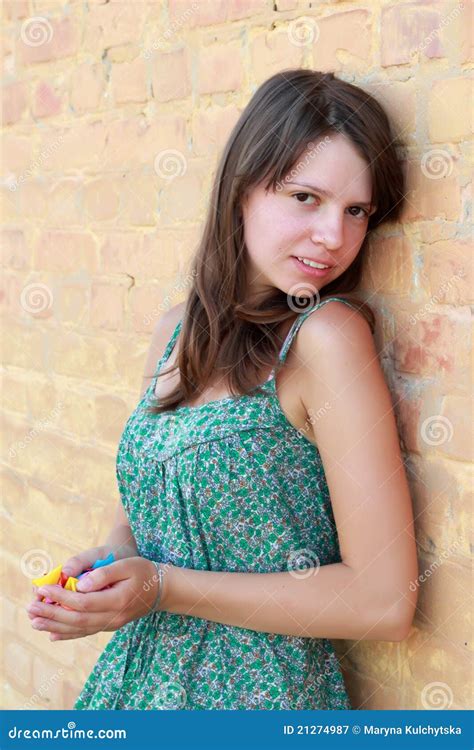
(389, 265)
(138, 199)
(447, 272)
(456, 440)
(113, 24)
(75, 412)
(138, 140)
(87, 87)
(57, 509)
(15, 251)
(449, 117)
(144, 300)
(181, 198)
(47, 680)
(410, 31)
(443, 602)
(171, 75)
(129, 81)
(390, 93)
(43, 398)
(14, 392)
(211, 128)
(111, 413)
(429, 197)
(341, 40)
(102, 200)
(94, 472)
(14, 700)
(65, 202)
(14, 102)
(61, 39)
(376, 659)
(71, 148)
(32, 200)
(17, 153)
(66, 251)
(18, 663)
(48, 99)
(71, 303)
(367, 694)
(107, 306)
(77, 356)
(215, 73)
(15, 9)
(429, 658)
(272, 52)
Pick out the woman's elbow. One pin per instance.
(403, 614)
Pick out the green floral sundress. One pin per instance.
(228, 485)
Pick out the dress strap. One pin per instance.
(300, 320)
(169, 348)
(286, 344)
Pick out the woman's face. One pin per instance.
(319, 212)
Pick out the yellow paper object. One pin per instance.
(51, 577)
(71, 583)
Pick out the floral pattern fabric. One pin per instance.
(229, 485)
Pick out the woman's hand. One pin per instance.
(134, 588)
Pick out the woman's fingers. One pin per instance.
(94, 601)
(77, 563)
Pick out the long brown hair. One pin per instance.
(225, 331)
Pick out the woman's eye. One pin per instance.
(363, 213)
(304, 195)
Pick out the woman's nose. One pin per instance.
(328, 231)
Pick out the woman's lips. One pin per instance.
(315, 272)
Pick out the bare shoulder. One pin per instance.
(338, 324)
(338, 352)
(351, 413)
(162, 332)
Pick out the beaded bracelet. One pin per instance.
(160, 587)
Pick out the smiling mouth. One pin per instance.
(313, 263)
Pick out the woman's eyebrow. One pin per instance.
(327, 193)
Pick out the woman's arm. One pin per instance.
(367, 595)
(121, 541)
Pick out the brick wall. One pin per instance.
(100, 101)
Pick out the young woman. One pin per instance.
(264, 504)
